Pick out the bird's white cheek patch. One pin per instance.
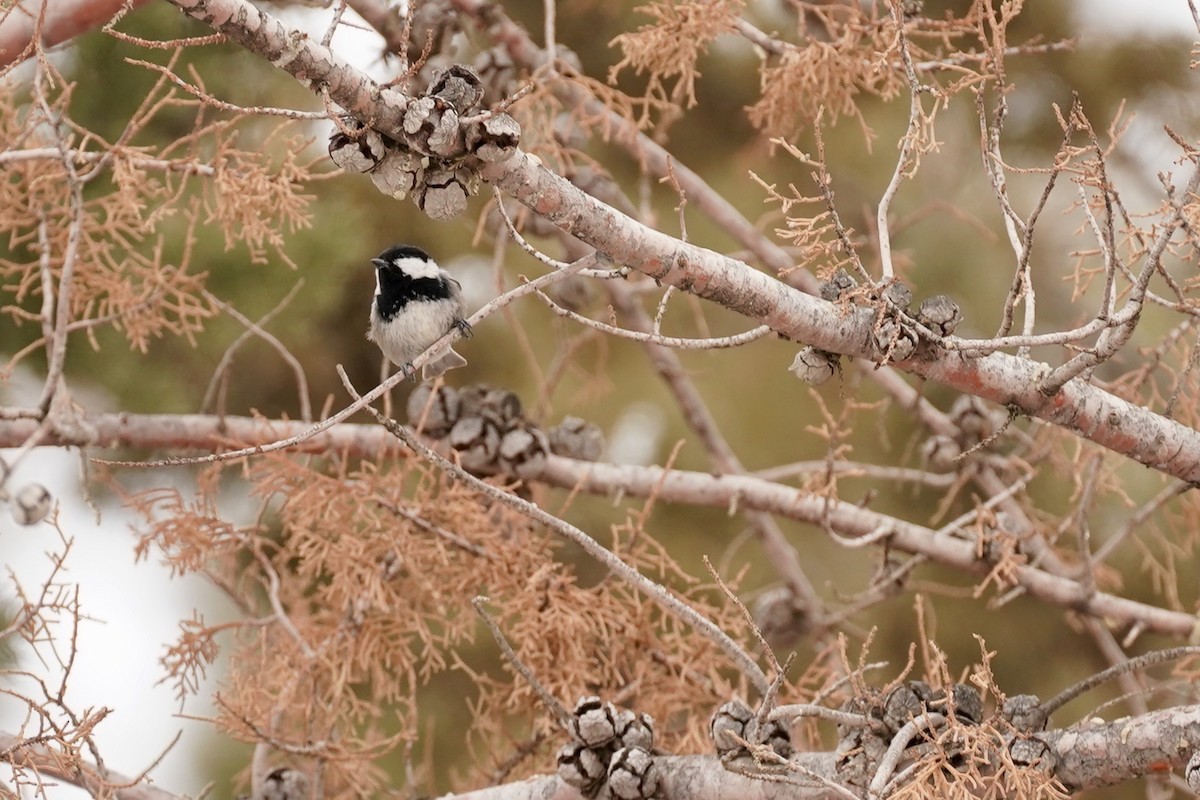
(418, 267)
(377, 289)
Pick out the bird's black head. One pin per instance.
(404, 274)
(398, 252)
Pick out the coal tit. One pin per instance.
(416, 303)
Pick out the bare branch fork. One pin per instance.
(1086, 410)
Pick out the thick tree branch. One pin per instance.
(1091, 755)
(692, 777)
(208, 434)
(199, 433)
(64, 20)
(1086, 757)
(37, 758)
(849, 520)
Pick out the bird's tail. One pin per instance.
(451, 360)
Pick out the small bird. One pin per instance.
(416, 303)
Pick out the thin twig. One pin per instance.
(338, 10)
(1139, 516)
(795, 711)
(556, 708)
(1146, 660)
(674, 342)
(209, 100)
(1131, 312)
(619, 272)
(256, 329)
(281, 615)
(425, 525)
(57, 345)
(907, 146)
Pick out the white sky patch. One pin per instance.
(637, 435)
(132, 611)
(354, 40)
(1124, 18)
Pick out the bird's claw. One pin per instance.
(464, 328)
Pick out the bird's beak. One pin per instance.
(379, 263)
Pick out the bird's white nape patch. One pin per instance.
(418, 267)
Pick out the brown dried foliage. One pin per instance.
(354, 611)
(848, 53)
(136, 225)
(666, 50)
